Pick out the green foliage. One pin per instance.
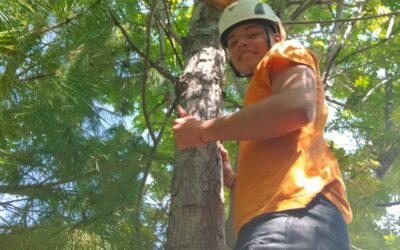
(86, 149)
(71, 163)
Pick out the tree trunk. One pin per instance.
(196, 218)
(391, 152)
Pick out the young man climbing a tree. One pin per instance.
(289, 193)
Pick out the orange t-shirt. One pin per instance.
(286, 172)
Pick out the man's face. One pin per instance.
(247, 45)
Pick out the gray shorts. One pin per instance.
(318, 226)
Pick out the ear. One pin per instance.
(277, 37)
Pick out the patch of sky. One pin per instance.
(344, 140)
(122, 69)
(51, 20)
(31, 27)
(9, 204)
(98, 126)
(347, 141)
(37, 174)
(108, 118)
(391, 219)
(6, 104)
(124, 64)
(366, 36)
(143, 8)
(48, 38)
(26, 69)
(68, 187)
(381, 73)
(21, 70)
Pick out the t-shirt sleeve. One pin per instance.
(286, 54)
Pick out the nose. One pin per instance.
(243, 42)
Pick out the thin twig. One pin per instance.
(328, 99)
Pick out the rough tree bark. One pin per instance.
(196, 218)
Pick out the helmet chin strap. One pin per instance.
(237, 73)
(269, 46)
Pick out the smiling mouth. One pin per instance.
(246, 54)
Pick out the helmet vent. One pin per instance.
(259, 9)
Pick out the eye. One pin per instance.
(254, 34)
(232, 42)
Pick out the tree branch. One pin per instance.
(303, 7)
(288, 23)
(328, 99)
(146, 71)
(334, 47)
(377, 86)
(367, 47)
(387, 204)
(362, 65)
(167, 33)
(171, 32)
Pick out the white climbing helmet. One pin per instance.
(246, 10)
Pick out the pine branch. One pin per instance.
(17, 229)
(39, 187)
(12, 201)
(64, 22)
(155, 139)
(164, 72)
(33, 78)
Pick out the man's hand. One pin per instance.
(228, 173)
(187, 130)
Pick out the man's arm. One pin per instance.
(291, 107)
